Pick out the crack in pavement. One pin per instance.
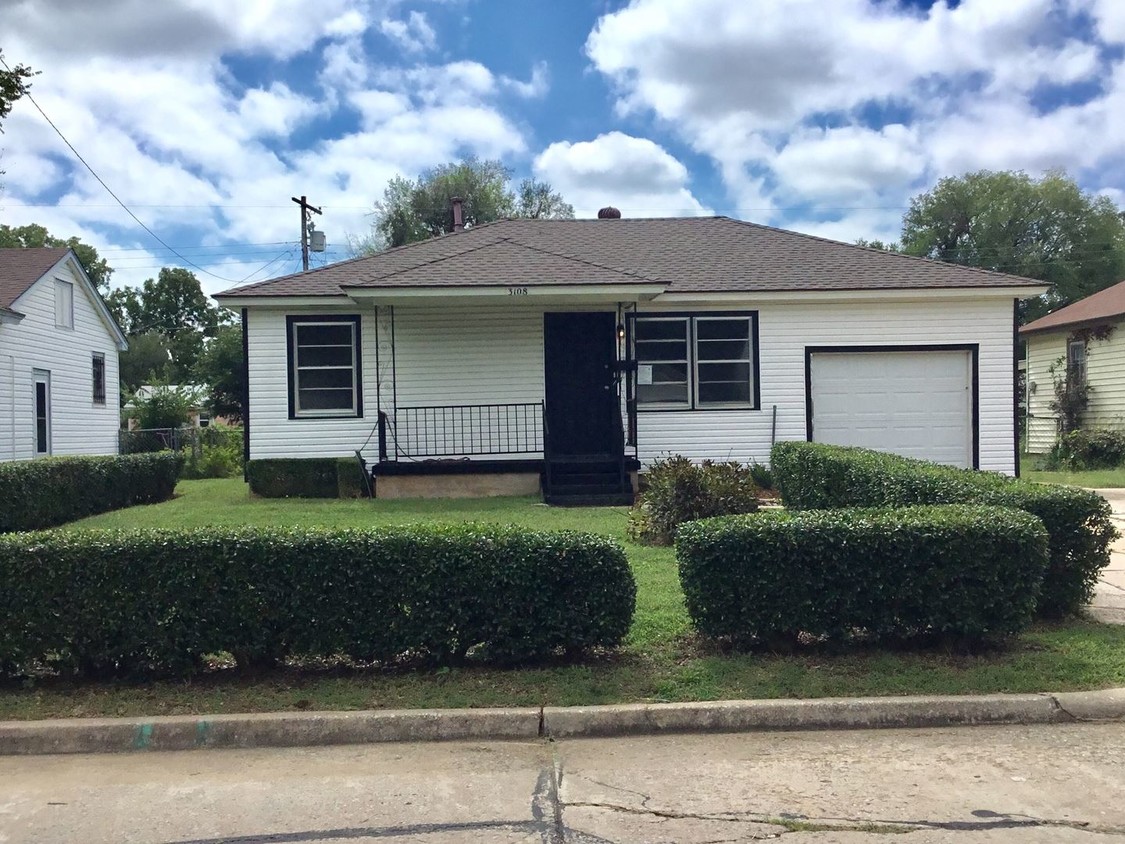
(788, 825)
(875, 826)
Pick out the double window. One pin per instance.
(99, 377)
(696, 361)
(324, 376)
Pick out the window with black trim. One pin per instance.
(698, 361)
(99, 377)
(324, 373)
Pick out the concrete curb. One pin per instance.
(312, 729)
(275, 729)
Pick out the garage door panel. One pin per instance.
(915, 403)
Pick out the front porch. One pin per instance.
(461, 451)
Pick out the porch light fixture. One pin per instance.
(620, 331)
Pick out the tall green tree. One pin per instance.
(417, 210)
(34, 236)
(147, 361)
(173, 308)
(220, 367)
(1047, 229)
(538, 201)
(174, 305)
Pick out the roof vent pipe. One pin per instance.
(458, 222)
(609, 213)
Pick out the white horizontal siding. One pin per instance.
(470, 356)
(1043, 351)
(78, 425)
(1105, 373)
(494, 355)
(784, 332)
(272, 432)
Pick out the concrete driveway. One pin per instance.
(1109, 600)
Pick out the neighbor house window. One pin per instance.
(1076, 362)
(324, 366)
(64, 304)
(99, 378)
(697, 361)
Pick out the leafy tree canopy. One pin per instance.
(14, 83)
(220, 367)
(34, 236)
(1047, 229)
(174, 307)
(417, 210)
(147, 361)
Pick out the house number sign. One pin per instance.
(517, 291)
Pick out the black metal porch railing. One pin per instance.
(467, 429)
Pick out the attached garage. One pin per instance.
(917, 401)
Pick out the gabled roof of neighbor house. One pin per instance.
(683, 254)
(1104, 304)
(21, 268)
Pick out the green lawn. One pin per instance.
(662, 659)
(1093, 479)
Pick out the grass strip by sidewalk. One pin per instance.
(662, 660)
(1079, 655)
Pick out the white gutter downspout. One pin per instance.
(12, 401)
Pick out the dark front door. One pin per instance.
(581, 398)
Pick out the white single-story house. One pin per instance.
(567, 353)
(59, 348)
(1082, 341)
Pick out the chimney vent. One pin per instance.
(609, 213)
(458, 221)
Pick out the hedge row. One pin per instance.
(97, 602)
(963, 571)
(815, 476)
(49, 491)
(306, 477)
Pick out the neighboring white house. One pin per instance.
(58, 358)
(550, 350)
(1083, 341)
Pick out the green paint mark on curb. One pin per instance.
(142, 737)
(202, 732)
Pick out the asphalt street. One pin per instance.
(1061, 783)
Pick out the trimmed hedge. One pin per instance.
(816, 476)
(118, 602)
(307, 477)
(961, 571)
(48, 491)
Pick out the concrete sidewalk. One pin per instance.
(1108, 605)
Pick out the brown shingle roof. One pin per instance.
(1101, 305)
(21, 268)
(686, 254)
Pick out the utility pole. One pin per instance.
(306, 218)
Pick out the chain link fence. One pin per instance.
(211, 452)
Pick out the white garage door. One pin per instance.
(917, 403)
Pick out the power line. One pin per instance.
(128, 210)
(231, 245)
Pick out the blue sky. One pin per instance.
(823, 116)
